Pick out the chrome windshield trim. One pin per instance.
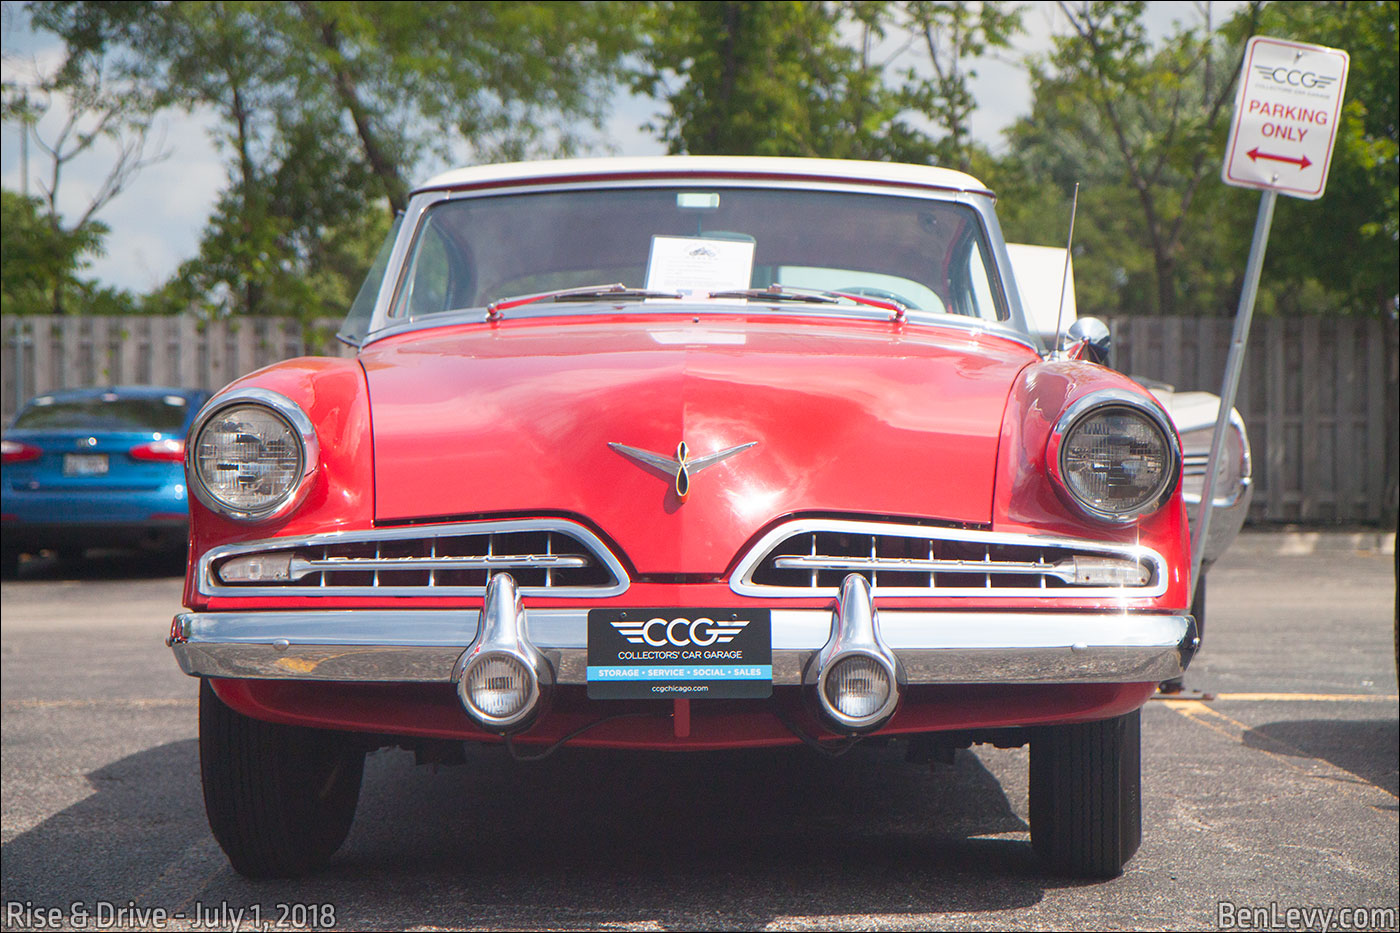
(741, 581)
(209, 584)
(690, 307)
(933, 647)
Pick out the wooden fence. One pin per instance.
(1319, 398)
(1319, 395)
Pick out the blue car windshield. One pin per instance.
(108, 412)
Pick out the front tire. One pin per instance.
(280, 799)
(1086, 795)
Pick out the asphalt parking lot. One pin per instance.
(1269, 787)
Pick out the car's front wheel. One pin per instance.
(1085, 795)
(280, 799)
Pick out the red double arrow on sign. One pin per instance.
(1300, 161)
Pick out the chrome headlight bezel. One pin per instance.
(1096, 403)
(299, 426)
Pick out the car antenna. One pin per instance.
(1064, 279)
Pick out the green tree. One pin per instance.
(951, 35)
(45, 250)
(1138, 125)
(746, 77)
(328, 109)
(1340, 251)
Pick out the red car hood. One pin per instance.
(853, 417)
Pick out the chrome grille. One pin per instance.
(545, 557)
(811, 557)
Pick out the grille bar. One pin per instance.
(547, 557)
(301, 568)
(811, 556)
(827, 562)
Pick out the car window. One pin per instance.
(362, 308)
(107, 412)
(929, 255)
(975, 295)
(428, 285)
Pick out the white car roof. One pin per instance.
(923, 176)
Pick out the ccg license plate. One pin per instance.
(660, 654)
(84, 464)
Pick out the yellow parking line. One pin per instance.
(1312, 697)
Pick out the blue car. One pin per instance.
(97, 467)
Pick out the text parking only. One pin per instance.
(1286, 116)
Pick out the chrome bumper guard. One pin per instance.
(929, 647)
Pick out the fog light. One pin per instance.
(498, 689)
(858, 687)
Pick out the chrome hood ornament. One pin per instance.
(682, 465)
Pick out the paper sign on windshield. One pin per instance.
(1286, 116)
(699, 264)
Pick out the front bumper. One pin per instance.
(1226, 519)
(933, 647)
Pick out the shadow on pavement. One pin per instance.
(102, 564)
(1367, 748)
(586, 838)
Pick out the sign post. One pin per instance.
(1281, 140)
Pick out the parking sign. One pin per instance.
(1286, 115)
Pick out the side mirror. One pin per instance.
(1098, 343)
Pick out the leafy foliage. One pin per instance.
(41, 262)
(326, 110)
(770, 78)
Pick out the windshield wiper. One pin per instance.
(585, 293)
(618, 291)
(813, 296)
(780, 293)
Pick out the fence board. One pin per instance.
(1319, 396)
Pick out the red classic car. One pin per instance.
(682, 453)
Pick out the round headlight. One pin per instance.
(249, 460)
(857, 687)
(498, 688)
(1116, 461)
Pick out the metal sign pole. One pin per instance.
(1233, 365)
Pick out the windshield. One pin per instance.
(929, 256)
(107, 412)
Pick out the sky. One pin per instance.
(156, 221)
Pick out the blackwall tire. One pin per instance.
(1086, 795)
(280, 799)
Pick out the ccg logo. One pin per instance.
(1293, 77)
(680, 633)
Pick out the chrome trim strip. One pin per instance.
(973, 327)
(932, 647)
(1086, 405)
(741, 581)
(290, 412)
(209, 584)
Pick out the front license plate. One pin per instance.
(659, 654)
(84, 464)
